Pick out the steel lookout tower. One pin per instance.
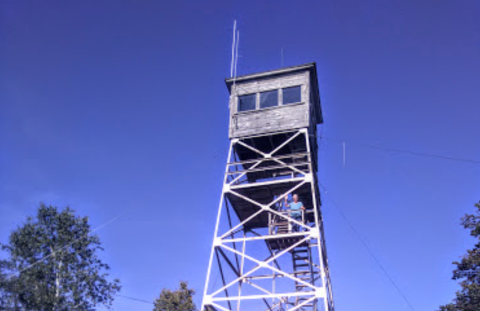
(269, 250)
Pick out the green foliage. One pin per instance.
(179, 300)
(468, 270)
(53, 264)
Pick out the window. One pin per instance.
(292, 95)
(269, 99)
(247, 102)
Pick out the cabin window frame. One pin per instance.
(280, 102)
(269, 91)
(255, 104)
(290, 87)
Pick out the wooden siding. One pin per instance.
(266, 84)
(269, 120)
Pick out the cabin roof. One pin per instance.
(271, 74)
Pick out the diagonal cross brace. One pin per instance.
(263, 264)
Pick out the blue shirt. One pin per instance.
(296, 209)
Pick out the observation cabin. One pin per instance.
(266, 110)
(274, 101)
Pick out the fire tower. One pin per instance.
(262, 257)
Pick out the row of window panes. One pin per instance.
(291, 95)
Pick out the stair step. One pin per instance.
(306, 272)
(299, 251)
(302, 272)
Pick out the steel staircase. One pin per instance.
(301, 259)
(302, 269)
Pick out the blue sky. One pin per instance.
(120, 106)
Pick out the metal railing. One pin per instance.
(275, 221)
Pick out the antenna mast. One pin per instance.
(233, 47)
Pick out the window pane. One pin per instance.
(292, 95)
(246, 102)
(269, 99)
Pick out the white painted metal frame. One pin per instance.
(313, 236)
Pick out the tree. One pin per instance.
(468, 270)
(179, 300)
(4, 296)
(52, 264)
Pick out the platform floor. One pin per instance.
(285, 242)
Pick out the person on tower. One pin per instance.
(296, 208)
